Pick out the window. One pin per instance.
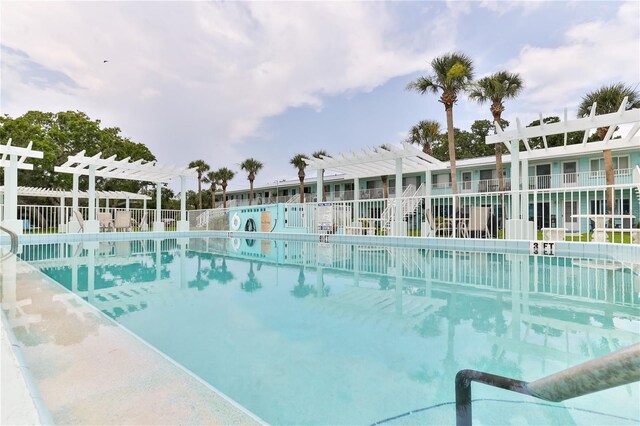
(620, 166)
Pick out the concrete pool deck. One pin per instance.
(89, 370)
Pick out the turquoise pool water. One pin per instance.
(307, 333)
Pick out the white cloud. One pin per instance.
(592, 54)
(192, 80)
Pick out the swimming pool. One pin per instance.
(313, 333)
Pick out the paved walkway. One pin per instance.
(89, 370)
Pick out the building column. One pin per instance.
(320, 191)
(62, 220)
(183, 223)
(158, 224)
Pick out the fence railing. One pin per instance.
(603, 214)
(41, 219)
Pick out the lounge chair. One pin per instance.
(80, 220)
(429, 230)
(478, 220)
(123, 220)
(106, 221)
(143, 225)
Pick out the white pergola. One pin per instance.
(96, 166)
(379, 161)
(520, 161)
(13, 159)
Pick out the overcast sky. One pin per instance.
(227, 81)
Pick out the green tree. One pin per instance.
(59, 135)
(213, 180)
(424, 134)
(201, 167)
(320, 155)
(251, 166)
(453, 73)
(225, 175)
(298, 161)
(495, 89)
(608, 99)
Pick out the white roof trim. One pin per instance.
(377, 161)
(123, 169)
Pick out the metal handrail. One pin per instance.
(14, 243)
(615, 369)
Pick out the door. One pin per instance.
(570, 222)
(569, 173)
(543, 176)
(486, 180)
(466, 181)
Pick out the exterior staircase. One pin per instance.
(411, 199)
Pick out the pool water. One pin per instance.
(308, 333)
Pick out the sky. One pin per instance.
(227, 81)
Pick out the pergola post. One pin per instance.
(11, 221)
(183, 223)
(91, 225)
(356, 201)
(320, 190)
(127, 204)
(158, 224)
(398, 229)
(73, 226)
(524, 195)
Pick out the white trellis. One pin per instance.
(96, 166)
(379, 161)
(13, 158)
(511, 139)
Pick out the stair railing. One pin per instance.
(615, 369)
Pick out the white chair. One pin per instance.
(106, 221)
(123, 220)
(478, 220)
(80, 220)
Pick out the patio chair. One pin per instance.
(106, 221)
(478, 220)
(429, 231)
(80, 220)
(123, 220)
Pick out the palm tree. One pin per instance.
(298, 162)
(496, 88)
(320, 155)
(453, 73)
(251, 166)
(608, 100)
(213, 179)
(225, 175)
(201, 167)
(424, 134)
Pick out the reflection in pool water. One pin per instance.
(311, 333)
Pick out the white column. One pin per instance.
(11, 221)
(428, 185)
(91, 225)
(183, 223)
(127, 204)
(399, 227)
(73, 226)
(158, 225)
(106, 204)
(320, 190)
(356, 201)
(524, 196)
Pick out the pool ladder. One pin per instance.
(14, 243)
(615, 369)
